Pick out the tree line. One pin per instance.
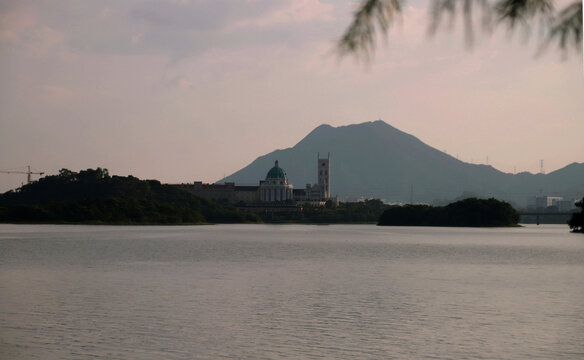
(93, 196)
(363, 212)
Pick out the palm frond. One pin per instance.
(378, 15)
(567, 27)
(514, 11)
(359, 37)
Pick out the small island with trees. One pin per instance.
(471, 212)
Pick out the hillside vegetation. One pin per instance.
(93, 196)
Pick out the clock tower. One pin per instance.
(324, 178)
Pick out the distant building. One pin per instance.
(274, 189)
(544, 202)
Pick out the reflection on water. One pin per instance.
(269, 292)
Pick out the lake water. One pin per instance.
(290, 292)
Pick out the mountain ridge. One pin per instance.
(376, 160)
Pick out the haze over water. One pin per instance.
(270, 292)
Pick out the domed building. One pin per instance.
(273, 193)
(275, 187)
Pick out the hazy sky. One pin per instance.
(192, 90)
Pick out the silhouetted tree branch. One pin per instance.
(567, 27)
(372, 16)
(360, 36)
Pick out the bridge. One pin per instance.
(537, 214)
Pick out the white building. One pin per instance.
(275, 187)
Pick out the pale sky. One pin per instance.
(180, 90)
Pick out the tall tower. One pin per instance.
(324, 171)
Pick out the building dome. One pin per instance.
(276, 188)
(276, 173)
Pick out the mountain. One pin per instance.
(376, 160)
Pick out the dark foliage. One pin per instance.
(345, 213)
(470, 212)
(577, 221)
(93, 196)
(360, 36)
(563, 27)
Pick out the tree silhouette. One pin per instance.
(470, 212)
(563, 27)
(93, 196)
(577, 221)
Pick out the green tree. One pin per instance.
(563, 26)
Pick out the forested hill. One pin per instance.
(93, 196)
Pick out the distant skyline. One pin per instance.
(180, 90)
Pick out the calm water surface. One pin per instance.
(295, 292)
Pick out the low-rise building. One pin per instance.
(274, 189)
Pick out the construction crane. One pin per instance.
(28, 173)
